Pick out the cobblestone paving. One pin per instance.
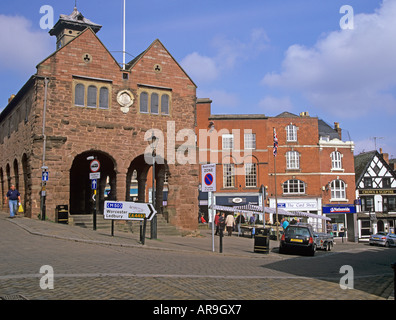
(97, 270)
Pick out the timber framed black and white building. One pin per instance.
(375, 193)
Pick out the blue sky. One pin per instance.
(264, 57)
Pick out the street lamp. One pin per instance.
(154, 143)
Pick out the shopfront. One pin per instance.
(339, 214)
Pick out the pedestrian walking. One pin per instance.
(285, 224)
(13, 198)
(230, 222)
(217, 223)
(239, 220)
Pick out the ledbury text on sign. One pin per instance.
(118, 210)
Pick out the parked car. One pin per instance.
(383, 239)
(298, 238)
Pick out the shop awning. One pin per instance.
(252, 209)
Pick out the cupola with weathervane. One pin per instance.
(70, 26)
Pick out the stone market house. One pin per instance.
(93, 107)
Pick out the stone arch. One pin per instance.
(8, 173)
(80, 184)
(16, 174)
(142, 168)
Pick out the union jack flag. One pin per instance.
(275, 151)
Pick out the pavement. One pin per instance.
(197, 243)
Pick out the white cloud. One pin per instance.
(227, 52)
(347, 72)
(200, 68)
(22, 48)
(271, 105)
(223, 100)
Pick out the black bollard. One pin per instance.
(394, 279)
(221, 240)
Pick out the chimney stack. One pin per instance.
(11, 98)
(385, 156)
(338, 129)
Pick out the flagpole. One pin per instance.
(276, 194)
(276, 203)
(123, 51)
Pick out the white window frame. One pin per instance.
(250, 141)
(291, 133)
(292, 184)
(250, 175)
(292, 160)
(228, 141)
(336, 160)
(228, 175)
(338, 189)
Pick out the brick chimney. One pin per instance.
(385, 156)
(11, 98)
(338, 129)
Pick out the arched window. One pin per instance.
(336, 162)
(294, 186)
(338, 189)
(250, 175)
(144, 102)
(228, 175)
(292, 160)
(79, 95)
(91, 96)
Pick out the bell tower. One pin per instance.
(70, 26)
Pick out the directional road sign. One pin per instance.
(125, 210)
(45, 176)
(94, 184)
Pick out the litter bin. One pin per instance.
(62, 214)
(262, 241)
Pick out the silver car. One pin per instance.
(383, 239)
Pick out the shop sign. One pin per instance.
(378, 191)
(339, 209)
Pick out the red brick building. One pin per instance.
(81, 103)
(314, 167)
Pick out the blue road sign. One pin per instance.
(94, 184)
(45, 176)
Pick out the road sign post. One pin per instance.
(95, 176)
(208, 172)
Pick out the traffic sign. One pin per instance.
(94, 184)
(208, 177)
(125, 210)
(94, 165)
(45, 176)
(94, 176)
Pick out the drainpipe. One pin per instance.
(44, 168)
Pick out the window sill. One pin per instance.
(339, 200)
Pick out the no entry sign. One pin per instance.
(208, 177)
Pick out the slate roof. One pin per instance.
(362, 161)
(326, 130)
